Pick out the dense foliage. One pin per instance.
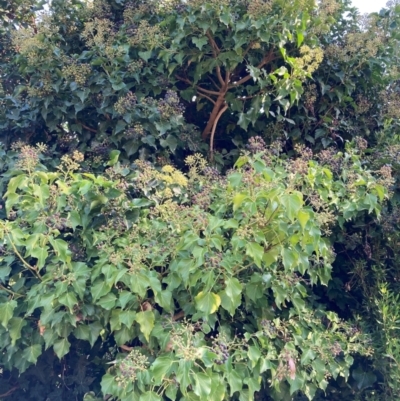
(126, 255)
(190, 207)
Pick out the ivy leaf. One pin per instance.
(199, 42)
(292, 203)
(69, 300)
(238, 199)
(303, 218)
(41, 254)
(99, 288)
(61, 249)
(15, 326)
(108, 384)
(235, 381)
(202, 386)
(146, 322)
(289, 258)
(108, 301)
(160, 368)
(231, 296)
(364, 379)
(114, 155)
(6, 312)
(150, 396)
(255, 251)
(32, 353)
(61, 347)
(207, 302)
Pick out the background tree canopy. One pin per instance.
(199, 200)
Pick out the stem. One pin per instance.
(9, 392)
(267, 59)
(207, 97)
(15, 294)
(24, 262)
(86, 127)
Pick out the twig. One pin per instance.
(24, 262)
(215, 84)
(207, 97)
(207, 91)
(268, 58)
(216, 50)
(9, 392)
(86, 127)
(222, 111)
(178, 316)
(198, 87)
(11, 292)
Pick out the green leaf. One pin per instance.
(235, 381)
(41, 254)
(69, 300)
(15, 326)
(99, 288)
(61, 347)
(107, 302)
(207, 302)
(202, 386)
(292, 203)
(231, 297)
(75, 219)
(32, 353)
(150, 396)
(6, 312)
(82, 332)
(289, 258)
(199, 42)
(255, 251)
(160, 368)
(364, 379)
(146, 322)
(108, 384)
(114, 155)
(127, 317)
(254, 355)
(61, 249)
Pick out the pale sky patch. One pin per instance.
(369, 6)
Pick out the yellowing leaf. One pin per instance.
(303, 218)
(238, 200)
(207, 302)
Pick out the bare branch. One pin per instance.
(267, 59)
(222, 111)
(207, 91)
(198, 87)
(206, 97)
(216, 51)
(215, 84)
(86, 127)
(9, 392)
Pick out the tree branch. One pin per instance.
(207, 97)
(9, 392)
(215, 84)
(198, 87)
(267, 59)
(86, 127)
(216, 51)
(222, 111)
(207, 91)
